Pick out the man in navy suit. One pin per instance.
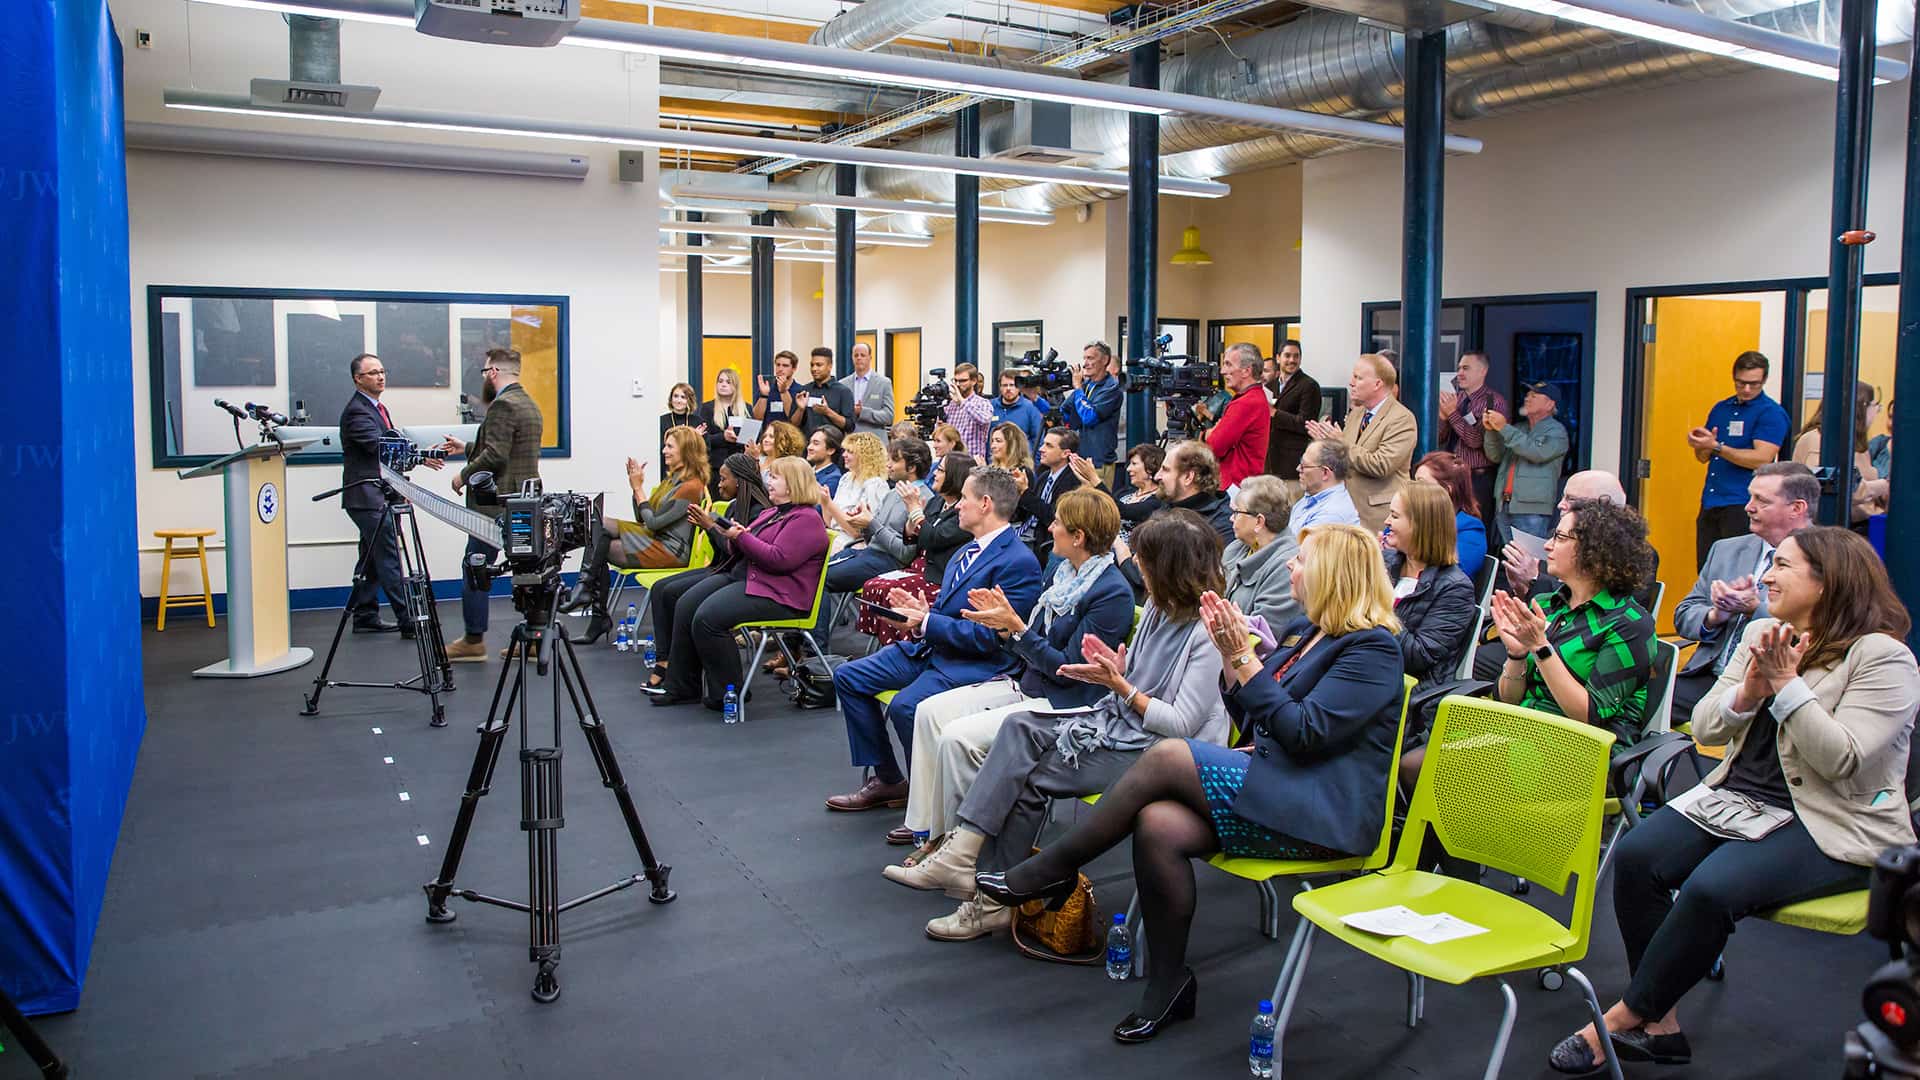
(362, 424)
(945, 650)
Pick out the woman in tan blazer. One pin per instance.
(1816, 711)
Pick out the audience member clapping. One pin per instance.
(1258, 580)
(1432, 596)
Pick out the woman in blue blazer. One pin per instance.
(1322, 712)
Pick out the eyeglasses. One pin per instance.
(1245, 513)
(1305, 465)
(370, 372)
(1750, 384)
(488, 370)
(1562, 538)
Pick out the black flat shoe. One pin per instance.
(597, 628)
(1637, 1045)
(1573, 1057)
(994, 887)
(375, 625)
(1138, 1029)
(664, 698)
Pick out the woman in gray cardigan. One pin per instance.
(661, 538)
(1256, 560)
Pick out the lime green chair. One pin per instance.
(700, 555)
(1516, 790)
(769, 630)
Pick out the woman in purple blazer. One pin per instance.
(772, 572)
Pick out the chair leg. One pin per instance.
(166, 570)
(817, 650)
(1298, 957)
(1599, 1020)
(1619, 830)
(206, 587)
(1507, 1016)
(1416, 999)
(754, 666)
(613, 598)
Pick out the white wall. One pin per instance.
(1725, 180)
(1253, 235)
(242, 222)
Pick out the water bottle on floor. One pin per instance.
(730, 707)
(621, 641)
(1260, 1041)
(633, 628)
(1119, 948)
(647, 651)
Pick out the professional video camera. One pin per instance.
(929, 405)
(537, 529)
(1886, 1044)
(403, 455)
(1180, 385)
(1048, 374)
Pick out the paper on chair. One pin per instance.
(1534, 546)
(1402, 921)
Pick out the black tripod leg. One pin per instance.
(541, 816)
(435, 667)
(610, 774)
(361, 571)
(44, 1058)
(493, 734)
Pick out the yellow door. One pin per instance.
(535, 331)
(1259, 335)
(1879, 334)
(725, 352)
(903, 367)
(1689, 368)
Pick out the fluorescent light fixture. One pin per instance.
(1671, 24)
(889, 69)
(792, 232)
(676, 268)
(747, 145)
(388, 13)
(711, 252)
(790, 198)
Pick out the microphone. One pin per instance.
(229, 406)
(263, 412)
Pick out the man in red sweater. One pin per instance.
(1239, 440)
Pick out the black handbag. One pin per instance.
(813, 683)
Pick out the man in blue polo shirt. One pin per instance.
(1012, 408)
(1742, 433)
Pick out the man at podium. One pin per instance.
(508, 446)
(362, 424)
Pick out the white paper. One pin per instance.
(1402, 921)
(1534, 546)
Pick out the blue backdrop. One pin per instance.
(73, 714)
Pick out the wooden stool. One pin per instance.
(199, 538)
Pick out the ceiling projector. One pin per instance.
(498, 22)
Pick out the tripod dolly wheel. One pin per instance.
(439, 716)
(546, 988)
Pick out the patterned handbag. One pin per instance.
(1070, 935)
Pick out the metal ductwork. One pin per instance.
(875, 22)
(1639, 64)
(313, 49)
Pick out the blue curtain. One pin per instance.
(73, 710)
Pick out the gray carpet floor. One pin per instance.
(264, 919)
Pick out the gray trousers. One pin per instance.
(1021, 776)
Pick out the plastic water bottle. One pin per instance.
(730, 706)
(1260, 1041)
(1119, 948)
(633, 627)
(621, 642)
(647, 651)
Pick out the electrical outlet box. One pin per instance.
(639, 388)
(142, 39)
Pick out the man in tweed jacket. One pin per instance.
(508, 446)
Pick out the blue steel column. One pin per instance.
(1143, 236)
(1852, 136)
(1425, 176)
(696, 311)
(1903, 516)
(966, 244)
(844, 183)
(762, 317)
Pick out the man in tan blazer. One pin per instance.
(1380, 434)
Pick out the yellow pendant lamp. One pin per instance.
(1190, 253)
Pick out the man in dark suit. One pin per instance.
(1054, 480)
(1296, 400)
(508, 446)
(362, 424)
(823, 403)
(945, 650)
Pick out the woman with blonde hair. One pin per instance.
(660, 538)
(780, 439)
(715, 417)
(1322, 711)
(772, 571)
(863, 483)
(946, 440)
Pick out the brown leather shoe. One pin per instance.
(901, 836)
(462, 651)
(873, 795)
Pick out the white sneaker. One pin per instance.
(976, 918)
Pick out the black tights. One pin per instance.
(1160, 802)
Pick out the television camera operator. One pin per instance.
(1012, 407)
(508, 447)
(1239, 439)
(362, 424)
(1094, 406)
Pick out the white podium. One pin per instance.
(257, 620)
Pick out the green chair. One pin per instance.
(769, 631)
(1511, 788)
(700, 555)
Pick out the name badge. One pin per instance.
(1470, 419)
(1290, 641)
(1736, 428)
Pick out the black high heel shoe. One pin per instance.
(581, 596)
(1138, 1029)
(597, 628)
(994, 887)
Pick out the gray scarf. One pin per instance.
(1069, 585)
(1156, 665)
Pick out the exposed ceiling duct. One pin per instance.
(313, 49)
(876, 22)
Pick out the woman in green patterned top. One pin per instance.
(1585, 651)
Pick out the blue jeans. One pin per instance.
(473, 602)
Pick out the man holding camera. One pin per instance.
(1012, 408)
(1094, 405)
(823, 403)
(970, 411)
(507, 446)
(872, 394)
(362, 424)
(1239, 440)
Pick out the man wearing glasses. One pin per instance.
(362, 424)
(1742, 433)
(1323, 478)
(508, 446)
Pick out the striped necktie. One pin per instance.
(965, 560)
(1738, 626)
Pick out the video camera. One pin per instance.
(538, 529)
(1886, 1044)
(929, 405)
(1048, 374)
(1180, 385)
(403, 455)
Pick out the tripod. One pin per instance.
(541, 814)
(422, 616)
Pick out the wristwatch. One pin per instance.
(1543, 652)
(1243, 658)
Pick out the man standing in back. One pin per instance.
(1528, 454)
(1239, 440)
(1463, 429)
(823, 403)
(970, 411)
(1011, 407)
(1743, 432)
(872, 394)
(1380, 434)
(508, 446)
(1094, 407)
(1296, 400)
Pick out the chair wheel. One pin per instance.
(1550, 978)
(1718, 971)
(1521, 886)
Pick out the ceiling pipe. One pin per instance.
(313, 49)
(876, 22)
(229, 142)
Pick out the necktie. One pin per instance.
(385, 420)
(1365, 419)
(966, 559)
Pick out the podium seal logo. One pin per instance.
(267, 503)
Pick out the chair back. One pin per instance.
(819, 597)
(1517, 790)
(1484, 582)
(702, 551)
(1377, 858)
(1658, 718)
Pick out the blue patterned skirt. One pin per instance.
(1222, 773)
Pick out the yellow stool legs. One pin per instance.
(205, 596)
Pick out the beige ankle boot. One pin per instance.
(950, 870)
(977, 917)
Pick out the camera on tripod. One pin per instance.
(1049, 374)
(1886, 1044)
(1180, 385)
(403, 455)
(537, 530)
(929, 405)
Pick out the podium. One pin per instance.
(257, 620)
